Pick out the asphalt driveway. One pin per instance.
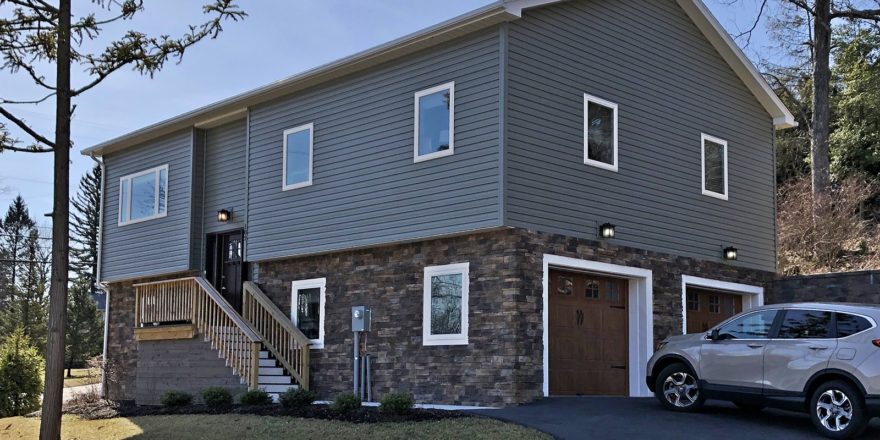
(630, 418)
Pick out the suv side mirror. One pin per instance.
(714, 335)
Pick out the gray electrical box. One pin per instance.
(360, 319)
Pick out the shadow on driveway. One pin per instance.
(631, 418)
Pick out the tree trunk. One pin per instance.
(50, 424)
(821, 111)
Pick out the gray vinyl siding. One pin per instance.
(670, 85)
(366, 189)
(224, 176)
(156, 246)
(197, 224)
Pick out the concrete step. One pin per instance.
(264, 355)
(277, 388)
(271, 371)
(274, 380)
(267, 363)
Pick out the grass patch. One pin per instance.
(81, 376)
(209, 427)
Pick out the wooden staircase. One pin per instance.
(261, 345)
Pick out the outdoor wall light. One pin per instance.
(730, 253)
(606, 230)
(224, 215)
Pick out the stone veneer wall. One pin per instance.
(189, 365)
(858, 287)
(502, 365)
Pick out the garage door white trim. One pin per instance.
(753, 296)
(641, 315)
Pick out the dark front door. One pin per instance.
(226, 268)
(587, 334)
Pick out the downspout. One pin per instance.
(100, 284)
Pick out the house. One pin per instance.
(527, 197)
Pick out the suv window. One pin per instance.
(805, 324)
(752, 326)
(848, 325)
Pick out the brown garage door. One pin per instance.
(587, 334)
(707, 308)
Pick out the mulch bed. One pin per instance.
(104, 410)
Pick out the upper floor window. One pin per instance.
(307, 309)
(143, 196)
(445, 319)
(298, 149)
(600, 133)
(435, 122)
(714, 158)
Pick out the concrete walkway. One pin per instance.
(630, 418)
(72, 391)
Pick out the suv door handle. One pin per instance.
(755, 345)
(818, 347)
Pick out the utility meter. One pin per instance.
(360, 319)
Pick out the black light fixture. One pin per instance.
(606, 230)
(730, 253)
(224, 215)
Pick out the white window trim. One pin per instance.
(311, 128)
(703, 138)
(587, 100)
(129, 178)
(421, 158)
(295, 287)
(450, 269)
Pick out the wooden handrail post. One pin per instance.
(255, 365)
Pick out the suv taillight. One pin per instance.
(876, 342)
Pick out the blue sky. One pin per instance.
(278, 39)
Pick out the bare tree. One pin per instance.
(812, 21)
(34, 33)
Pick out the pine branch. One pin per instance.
(21, 124)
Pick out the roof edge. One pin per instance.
(738, 61)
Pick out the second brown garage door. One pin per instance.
(587, 334)
(707, 308)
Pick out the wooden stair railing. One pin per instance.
(286, 342)
(194, 300)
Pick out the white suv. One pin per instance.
(818, 357)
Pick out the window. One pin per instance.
(307, 308)
(693, 301)
(805, 324)
(600, 133)
(714, 158)
(752, 326)
(143, 196)
(298, 149)
(445, 320)
(435, 122)
(848, 325)
(714, 304)
(592, 289)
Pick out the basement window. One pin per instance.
(445, 306)
(307, 308)
(434, 122)
(143, 196)
(600, 133)
(298, 149)
(714, 160)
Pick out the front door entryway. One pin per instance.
(225, 265)
(707, 308)
(588, 334)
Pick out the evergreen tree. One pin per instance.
(84, 326)
(32, 293)
(14, 232)
(84, 223)
(20, 370)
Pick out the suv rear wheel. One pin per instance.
(838, 410)
(678, 389)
